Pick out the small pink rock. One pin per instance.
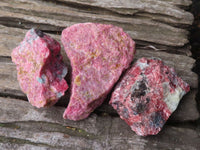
(147, 95)
(41, 70)
(99, 54)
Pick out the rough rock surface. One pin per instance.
(147, 95)
(98, 53)
(41, 70)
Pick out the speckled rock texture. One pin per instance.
(40, 67)
(98, 53)
(147, 95)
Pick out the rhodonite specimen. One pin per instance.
(41, 70)
(147, 95)
(98, 54)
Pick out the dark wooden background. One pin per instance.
(161, 28)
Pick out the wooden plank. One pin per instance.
(166, 8)
(144, 27)
(133, 6)
(182, 65)
(183, 3)
(128, 3)
(11, 37)
(9, 86)
(22, 125)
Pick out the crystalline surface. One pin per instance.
(147, 95)
(41, 70)
(99, 54)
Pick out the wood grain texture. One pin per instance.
(11, 37)
(160, 24)
(8, 78)
(29, 127)
(162, 7)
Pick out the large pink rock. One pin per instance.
(99, 54)
(41, 70)
(147, 95)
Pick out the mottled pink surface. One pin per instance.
(147, 95)
(99, 54)
(40, 67)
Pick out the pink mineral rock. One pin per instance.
(99, 54)
(147, 95)
(41, 70)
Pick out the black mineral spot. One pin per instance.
(58, 55)
(39, 33)
(51, 50)
(140, 108)
(157, 120)
(167, 72)
(147, 99)
(140, 91)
